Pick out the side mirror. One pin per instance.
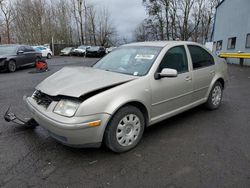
(166, 73)
(20, 52)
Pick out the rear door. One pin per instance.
(170, 94)
(203, 71)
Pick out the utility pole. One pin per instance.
(81, 20)
(85, 21)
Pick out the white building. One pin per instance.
(232, 27)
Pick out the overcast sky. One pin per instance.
(126, 14)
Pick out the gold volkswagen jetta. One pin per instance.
(135, 86)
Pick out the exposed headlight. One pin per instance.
(66, 108)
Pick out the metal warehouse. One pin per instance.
(232, 28)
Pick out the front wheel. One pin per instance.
(12, 66)
(125, 129)
(215, 97)
(49, 56)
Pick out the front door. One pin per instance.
(171, 94)
(21, 56)
(30, 55)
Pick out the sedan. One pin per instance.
(15, 56)
(95, 51)
(80, 51)
(46, 52)
(128, 90)
(67, 51)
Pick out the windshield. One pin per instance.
(94, 48)
(129, 60)
(7, 50)
(66, 49)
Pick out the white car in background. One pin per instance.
(80, 51)
(46, 52)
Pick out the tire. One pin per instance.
(11, 66)
(215, 97)
(31, 124)
(125, 129)
(49, 56)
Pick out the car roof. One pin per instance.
(14, 45)
(160, 43)
(39, 46)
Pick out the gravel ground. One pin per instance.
(198, 148)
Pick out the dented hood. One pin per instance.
(78, 81)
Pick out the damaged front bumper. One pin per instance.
(86, 131)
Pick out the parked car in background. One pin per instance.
(46, 52)
(131, 88)
(80, 51)
(15, 56)
(67, 51)
(110, 49)
(95, 51)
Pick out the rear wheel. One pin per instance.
(125, 129)
(12, 66)
(215, 97)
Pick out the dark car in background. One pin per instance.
(95, 51)
(67, 51)
(14, 56)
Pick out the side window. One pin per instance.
(29, 49)
(200, 57)
(21, 49)
(26, 49)
(175, 58)
(248, 41)
(231, 43)
(219, 45)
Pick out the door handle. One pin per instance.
(188, 78)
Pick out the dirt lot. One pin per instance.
(198, 148)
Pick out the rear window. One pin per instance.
(200, 57)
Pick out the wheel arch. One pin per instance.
(106, 138)
(221, 80)
(138, 105)
(12, 59)
(217, 79)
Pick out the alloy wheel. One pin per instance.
(12, 66)
(216, 95)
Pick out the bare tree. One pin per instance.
(7, 12)
(208, 17)
(38, 21)
(78, 12)
(166, 5)
(106, 29)
(187, 23)
(141, 33)
(183, 19)
(155, 11)
(92, 19)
